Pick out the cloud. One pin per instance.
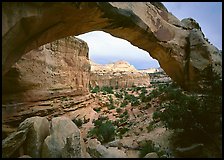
(104, 48)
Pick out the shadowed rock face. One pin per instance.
(180, 48)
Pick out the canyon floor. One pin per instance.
(124, 122)
(134, 121)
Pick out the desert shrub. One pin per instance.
(150, 127)
(122, 130)
(64, 98)
(104, 130)
(146, 148)
(111, 106)
(135, 102)
(118, 110)
(143, 90)
(107, 90)
(124, 103)
(78, 122)
(124, 114)
(118, 95)
(95, 89)
(97, 109)
(132, 99)
(197, 116)
(149, 146)
(146, 106)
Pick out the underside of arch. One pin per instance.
(179, 46)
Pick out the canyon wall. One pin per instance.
(55, 69)
(117, 75)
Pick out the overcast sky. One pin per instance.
(207, 14)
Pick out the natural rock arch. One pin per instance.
(180, 47)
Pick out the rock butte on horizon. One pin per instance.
(118, 74)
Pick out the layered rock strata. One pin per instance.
(117, 75)
(56, 69)
(49, 81)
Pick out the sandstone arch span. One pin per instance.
(179, 46)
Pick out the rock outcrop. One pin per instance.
(56, 69)
(13, 142)
(62, 131)
(33, 139)
(157, 76)
(117, 75)
(38, 131)
(179, 46)
(96, 150)
(151, 155)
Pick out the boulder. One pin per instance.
(115, 143)
(13, 142)
(114, 152)
(151, 155)
(62, 132)
(25, 156)
(96, 150)
(38, 131)
(72, 148)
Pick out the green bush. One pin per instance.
(118, 110)
(146, 148)
(122, 130)
(110, 106)
(124, 103)
(124, 114)
(78, 122)
(150, 127)
(132, 99)
(118, 95)
(97, 109)
(197, 116)
(104, 130)
(95, 89)
(107, 90)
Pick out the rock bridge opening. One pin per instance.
(149, 26)
(41, 67)
(116, 63)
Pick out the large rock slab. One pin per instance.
(38, 131)
(13, 142)
(72, 148)
(62, 132)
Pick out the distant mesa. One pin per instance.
(118, 74)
